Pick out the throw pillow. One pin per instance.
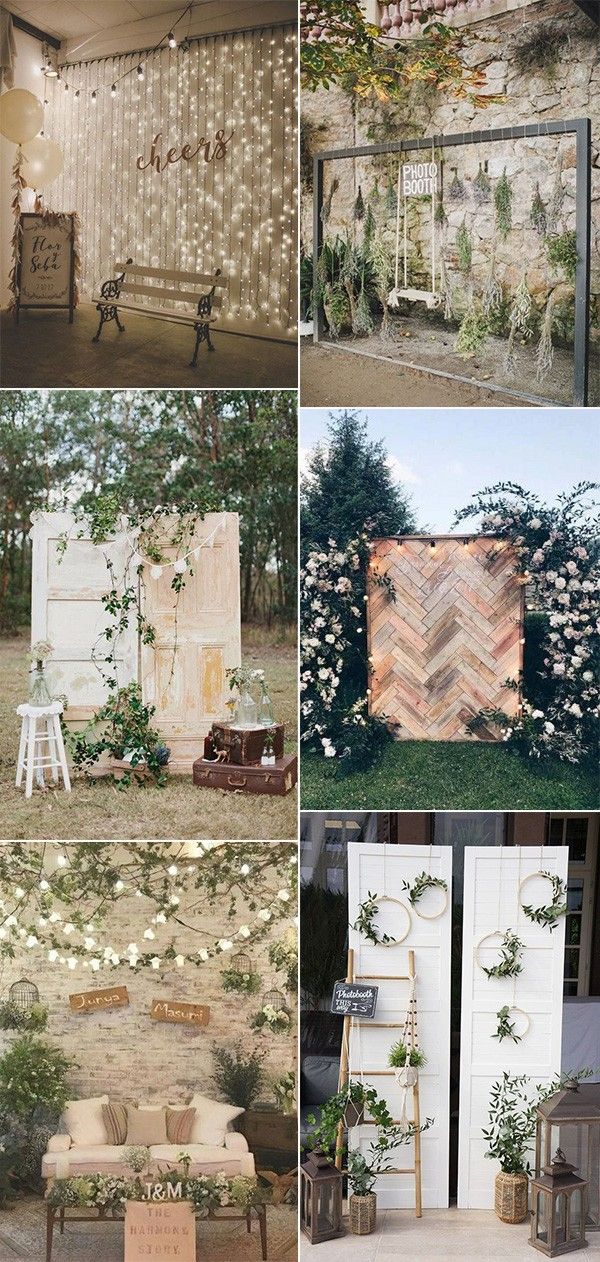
(115, 1122)
(84, 1121)
(211, 1121)
(179, 1125)
(146, 1126)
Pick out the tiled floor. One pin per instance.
(45, 350)
(439, 1234)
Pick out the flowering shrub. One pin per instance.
(277, 1020)
(334, 675)
(557, 551)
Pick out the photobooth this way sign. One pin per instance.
(351, 999)
(419, 178)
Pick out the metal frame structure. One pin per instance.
(581, 129)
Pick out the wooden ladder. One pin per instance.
(346, 1071)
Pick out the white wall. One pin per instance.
(28, 75)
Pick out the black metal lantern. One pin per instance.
(558, 1208)
(23, 994)
(274, 999)
(320, 1198)
(570, 1120)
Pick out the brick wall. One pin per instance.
(126, 1054)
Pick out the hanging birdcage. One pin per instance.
(243, 964)
(23, 994)
(274, 999)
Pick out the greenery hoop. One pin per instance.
(505, 1028)
(415, 892)
(510, 965)
(549, 913)
(366, 913)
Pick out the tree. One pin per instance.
(349, 488)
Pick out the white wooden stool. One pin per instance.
(41, 746)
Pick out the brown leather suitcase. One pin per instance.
(276, 780)
(244, 746)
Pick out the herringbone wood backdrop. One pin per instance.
(442, 651)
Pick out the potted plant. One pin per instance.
(406, 1061)
(362, 1201)
(512, 1115)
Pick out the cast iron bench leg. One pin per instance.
(49, 1232)
(248, 1222)
(62, 1221)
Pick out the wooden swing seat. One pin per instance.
(430, 299)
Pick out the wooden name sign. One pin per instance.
(180, 1013)
(98, 1000)
(160, 1231)
(46, 273)
(352, 999)
(419, 178)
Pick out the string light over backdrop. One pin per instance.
(188, 168)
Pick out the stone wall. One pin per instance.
(570, 89)
(126, 1054)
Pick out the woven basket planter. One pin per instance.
(363, 1214)
(511, 1197)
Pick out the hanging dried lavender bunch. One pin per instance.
(482, 186)
(520, 316)
(359, 205)
(457, 191)
(369, 228)
(464, 247)
(326, 209)
(503, 196)
(492, 292)
(537, 214)
(390, 199)
(545, 350)
(556, 201)
(440, 213)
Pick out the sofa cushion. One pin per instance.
(319, 1079)
(211, 1120)
(84, 1121)
(115, 1122)
(179, 1125)
(146, 1126)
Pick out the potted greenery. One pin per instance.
(362, 1200)
(406, 1061)
(511, 1129)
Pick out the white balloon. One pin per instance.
(21, 115)
(42, 162)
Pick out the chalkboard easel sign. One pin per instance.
(354, 999)
(46, 276)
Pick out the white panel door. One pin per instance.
(66, 608)
(381, 869)
(491, 900)
(183, 673)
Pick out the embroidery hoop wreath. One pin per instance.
(511, 948)
(367, 911)
(505, 1028)
(547, 914)
(426, 881)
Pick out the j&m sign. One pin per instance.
(180, 1013)
(98, 1000)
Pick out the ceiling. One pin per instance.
(104, 28)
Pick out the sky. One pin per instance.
(443, 456)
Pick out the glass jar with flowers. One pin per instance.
(39, 692)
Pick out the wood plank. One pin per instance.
(99, 1000)
(203, 278)
(177, 295)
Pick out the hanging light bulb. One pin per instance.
(94, 97)
(171, 39)
(140, 73)
(66, 87)
(77, 94)
(113, 91)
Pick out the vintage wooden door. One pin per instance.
(66, 608)
(491, 899)
(183, 675)
(381, 869)
(443, 649)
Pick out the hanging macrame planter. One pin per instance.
(431, 297)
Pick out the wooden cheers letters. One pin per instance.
(213, 151)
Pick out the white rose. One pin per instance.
(575, 709)
(243, 931)
(560, 582)
(264, 914)
(537, 714)
(588, 676)
(549, 728)
(559, 668)
(535, 523)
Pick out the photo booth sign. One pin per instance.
(47, 262)
(419, 179)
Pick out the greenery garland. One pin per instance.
(424, 881)
(243, 983)
(548, 914)
(506, 1027)
(510, 964)
(364, 922)
(110, 1193)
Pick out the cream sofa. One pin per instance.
(78, 1148)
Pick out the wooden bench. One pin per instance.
(133, 279)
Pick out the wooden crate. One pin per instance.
(442, 651)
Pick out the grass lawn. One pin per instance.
(419, 775)
(179, 811)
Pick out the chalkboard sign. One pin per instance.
(47, 262)
(353, 999)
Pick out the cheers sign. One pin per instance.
(419, 178)
(211, 150)
(96, 1000)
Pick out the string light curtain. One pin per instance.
(237, 213)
